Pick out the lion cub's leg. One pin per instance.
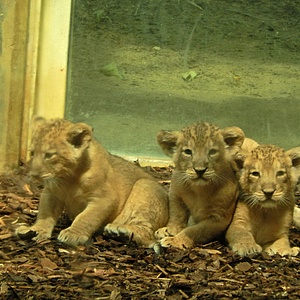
(201, 232)
(239, 233)
(242, 241)
(89, 220)
(282, 247)
(296, 218)
(49, 211)
(178, 218)
(145, 211)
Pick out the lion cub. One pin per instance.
(264, 211)
(204, 188)
(98, 190)
(296, 219)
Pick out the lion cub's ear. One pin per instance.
(238, 161)
(37, 122)
(168, 140)
(294, 154)
(79, 135)
(233, 136)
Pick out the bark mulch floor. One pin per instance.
(109, 270)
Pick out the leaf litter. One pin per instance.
(107, 269)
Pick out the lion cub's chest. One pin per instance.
(267, 225)
(205, 200)
(72, 196)
(75, 203)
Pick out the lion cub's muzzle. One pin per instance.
(268, 194)
(200, 172)
(39, 177)
(268, 189)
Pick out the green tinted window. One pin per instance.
(138, 66)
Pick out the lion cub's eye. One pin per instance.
(48, 155)
(213, 152)
(280, 173)
(31, 153)
(255, 174)
(188, 152)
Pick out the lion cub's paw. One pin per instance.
(177, 242)
(283, 251)
(118, 232)
(69, 237)
(244, 249)
(166, 232)
(32, 233)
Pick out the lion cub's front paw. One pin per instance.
(166, 232)
(73, 238)
(118, 232)
(244, 248)
(283, 251)
(177, 242)
(32, 233)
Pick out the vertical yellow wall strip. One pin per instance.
(31, 73)
(53, 58)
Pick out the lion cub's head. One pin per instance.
(269, 176)
(58, 148)
(201, 152)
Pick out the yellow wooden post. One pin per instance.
(33, 70)
(12, 73)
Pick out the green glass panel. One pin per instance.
(143, 65)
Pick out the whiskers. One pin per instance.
(57, 184)
(259, 199)
(182, 178)
(54, 181)
(217, 179)
(189, 178)
(287, 200)
(250, 199)
(47, 176)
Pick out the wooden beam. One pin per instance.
(33, 70)
(12, 73)
(30, 74)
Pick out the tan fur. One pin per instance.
(296, 160)
(293, 153)
(249, 144)
(296, 218)
(264, 212)
(203, 189)
(98, 190)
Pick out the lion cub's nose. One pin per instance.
(200, 172)
(268, 192)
